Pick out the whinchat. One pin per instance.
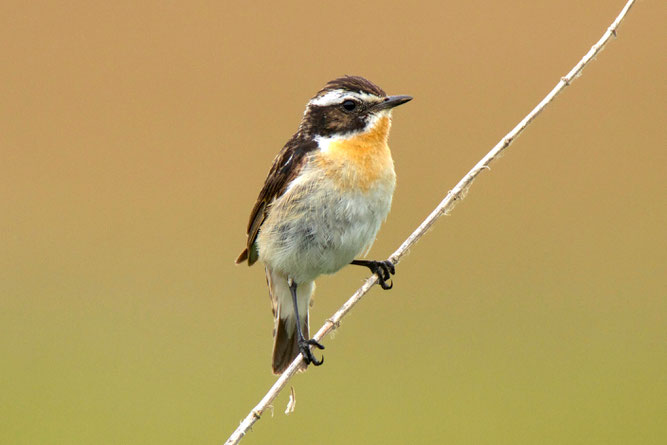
(322, 204)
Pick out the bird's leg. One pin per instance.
(304, 345)
(383, 269)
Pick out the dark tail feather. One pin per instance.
(285, 342)
(285, 337)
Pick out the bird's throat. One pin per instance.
(358, 161)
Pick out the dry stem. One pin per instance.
(457, 193)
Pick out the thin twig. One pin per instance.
(454, 195)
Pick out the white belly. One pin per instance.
(314, 228)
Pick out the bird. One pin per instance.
(325, 197)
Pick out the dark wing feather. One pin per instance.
(286, 166)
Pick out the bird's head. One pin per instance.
(347, 106)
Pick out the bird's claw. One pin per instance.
(308, 357)
(384, 270)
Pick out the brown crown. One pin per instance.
(353, 83)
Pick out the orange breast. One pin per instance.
(361, 160)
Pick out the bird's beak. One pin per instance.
(391, 102)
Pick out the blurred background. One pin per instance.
(136, 136)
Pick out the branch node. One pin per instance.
(565, 80)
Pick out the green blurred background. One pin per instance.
(135, 138)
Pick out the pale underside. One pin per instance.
(332, 211)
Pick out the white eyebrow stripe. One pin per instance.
(337, 96)
(329, 98)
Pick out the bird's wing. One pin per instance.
(286, 166)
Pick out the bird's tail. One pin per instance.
(285, 337)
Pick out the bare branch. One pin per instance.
(454, 195)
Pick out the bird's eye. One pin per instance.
(349, 105)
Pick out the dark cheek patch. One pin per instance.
(336, 121)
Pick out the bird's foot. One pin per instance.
(383, 269)
(308, 357)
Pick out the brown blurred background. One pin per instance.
(134, 139)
